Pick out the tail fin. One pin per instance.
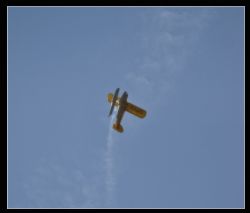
(118, 127)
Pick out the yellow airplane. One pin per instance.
(123, 105)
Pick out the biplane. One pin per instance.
(123, 106)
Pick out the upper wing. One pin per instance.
(135, 110)
(110, 98)
(131, 108)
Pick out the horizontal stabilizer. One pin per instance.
(118, 127)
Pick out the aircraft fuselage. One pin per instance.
(121, 110)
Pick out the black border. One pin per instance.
(3, 89)
(4, 4)
(126, 3)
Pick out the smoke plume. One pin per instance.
(109, 160)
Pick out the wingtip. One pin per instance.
(110, 97)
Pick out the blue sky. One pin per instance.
(185, 66)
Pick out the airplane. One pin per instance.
(123, 105)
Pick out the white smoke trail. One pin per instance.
(109, 160)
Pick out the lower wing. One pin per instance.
(135, 110)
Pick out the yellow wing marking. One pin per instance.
(110, 97)
(135, 110)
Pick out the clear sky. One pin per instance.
(185, 66)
